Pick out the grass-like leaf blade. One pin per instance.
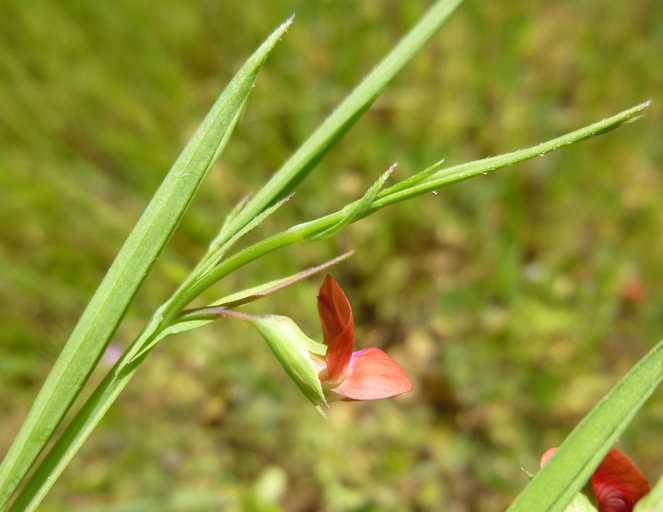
(296, 168)
(432, 180)
(554, 486)
(128, 271)
(357, 209)
(443, 177)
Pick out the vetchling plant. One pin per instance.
(324, 371)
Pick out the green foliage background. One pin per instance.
(515, 301)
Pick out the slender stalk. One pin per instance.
(467, 170)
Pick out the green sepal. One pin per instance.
(295, 351)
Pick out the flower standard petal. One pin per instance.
(334, 309)
(372, 374)
(338, 327)
(618, 483)
(338, 356)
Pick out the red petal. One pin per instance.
(338, 327)
(618, 483)
(373, 374)
(334, 309)
(338, 355)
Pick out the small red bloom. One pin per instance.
(363, 375)
(618, 483)
(633, 291)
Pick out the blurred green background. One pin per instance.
(514, 300)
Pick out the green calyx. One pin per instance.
(301, 357)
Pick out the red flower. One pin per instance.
(363, 375)
(618, 483)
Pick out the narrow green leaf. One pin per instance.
(132, 264)
(339, 122)
(565, 474)
(216, 243)
(444, 177)
(257, 292)
(396, 193)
